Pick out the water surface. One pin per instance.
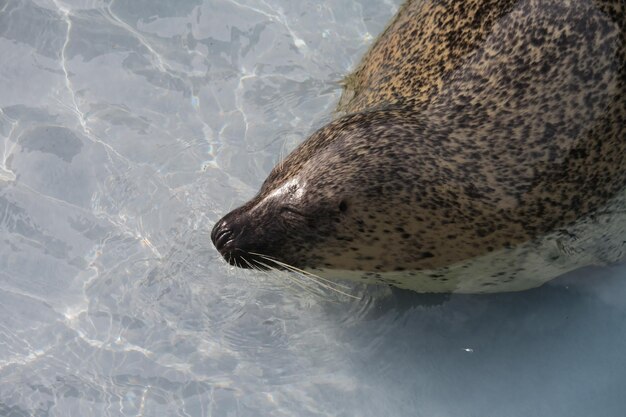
(127, 128)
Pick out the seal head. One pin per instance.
(314, 199)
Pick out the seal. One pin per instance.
(480, 146)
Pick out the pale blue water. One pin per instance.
(127, 128)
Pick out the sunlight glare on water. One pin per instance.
(127, 129)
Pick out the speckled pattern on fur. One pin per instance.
(473, 134)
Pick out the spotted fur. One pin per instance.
(475, 137)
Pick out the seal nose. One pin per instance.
(225, 236)
(237, 248)
(221, 235)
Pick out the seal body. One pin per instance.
(480, 147)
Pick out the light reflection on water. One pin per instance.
(127, 129)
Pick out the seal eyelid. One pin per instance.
(343, 206)
(291, 210)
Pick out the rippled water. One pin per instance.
(126, 130)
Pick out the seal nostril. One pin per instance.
(221, 235)
(217, 228)
(222, 238)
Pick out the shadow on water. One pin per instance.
(556, 349)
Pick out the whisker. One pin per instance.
(317, 277)
(253, 266)
(322, 282)
(308, 273)
(303, 285)
(302, 271)
(248, 263)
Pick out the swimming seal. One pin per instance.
(481, 147)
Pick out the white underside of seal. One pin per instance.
(598, 239)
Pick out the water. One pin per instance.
(126, 130)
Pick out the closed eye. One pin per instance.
(291, 210)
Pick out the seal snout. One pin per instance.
(229, 242)
(223, 237)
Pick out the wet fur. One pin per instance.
(474, 134)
